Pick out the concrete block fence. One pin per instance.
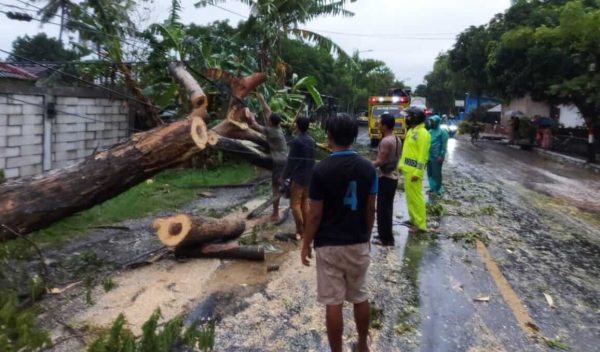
(33, 140)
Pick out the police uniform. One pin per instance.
(415, 155)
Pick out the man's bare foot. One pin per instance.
(274, 217)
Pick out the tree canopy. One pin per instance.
(548, 49)
(40, 48)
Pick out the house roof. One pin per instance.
(14, 72)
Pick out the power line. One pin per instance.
(17, 7)
(384, 36)
(230, 11)
(83, 27)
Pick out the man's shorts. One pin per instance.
(277, 172)
(342, 273)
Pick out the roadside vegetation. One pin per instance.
(24, 273)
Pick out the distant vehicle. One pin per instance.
(362, 118)
(395, 105)
(418, 101)
(449, 125)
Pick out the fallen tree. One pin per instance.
(185, 230)
(33, 203)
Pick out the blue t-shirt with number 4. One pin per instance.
(343, 182)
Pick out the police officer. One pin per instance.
(413, 164)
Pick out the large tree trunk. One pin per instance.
(30, 204)
(185, 230)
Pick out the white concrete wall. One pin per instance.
(72, 137)
(570, 116)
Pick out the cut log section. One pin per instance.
(185, 230)
(222, 251)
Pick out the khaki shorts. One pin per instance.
(342, 273)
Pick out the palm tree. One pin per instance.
(52, 8)
(275, 20)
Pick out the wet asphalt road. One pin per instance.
(544, 235)
(540, 223)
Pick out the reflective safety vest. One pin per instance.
(415, 152)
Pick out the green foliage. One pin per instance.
(489, 210)
(435, 209)
(376, 316)
(89, 284)
(545, 49)
(555, 344)
(154, 339)
(2, 177)
(118, 339)
(201, 336)
(84, 263)
(18, 331)
(444, 86)
(470, 237)
(38, 287)
(464, 127)
(108, 284)
(41, 48)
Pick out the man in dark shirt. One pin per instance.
(387, 162)
(298, 168)
(342, 196)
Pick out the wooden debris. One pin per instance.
(185, 230)
(222, 251)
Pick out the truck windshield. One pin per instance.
(386, 109)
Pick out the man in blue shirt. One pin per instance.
(342, 196)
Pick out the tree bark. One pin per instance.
(222, 251)
(30, 204)
(185, 230)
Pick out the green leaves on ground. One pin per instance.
(376, 316)
(18, 330)
(470, 237)
(199, 336)
(435, 209)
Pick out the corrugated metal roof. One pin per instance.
(14, 72)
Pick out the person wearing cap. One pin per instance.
(437, 154)
(413, 162)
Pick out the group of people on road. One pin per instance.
(335, 202)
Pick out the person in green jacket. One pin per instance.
(413, 163)
(437, 154)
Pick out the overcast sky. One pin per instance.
(406, 34)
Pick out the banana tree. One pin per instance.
(274, 20)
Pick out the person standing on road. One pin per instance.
(437, 154)
(342, 195)
(412, 164)
(388, 156)
(514, 129)
(277, 145)
(298, 168)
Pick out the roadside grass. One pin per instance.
(166, 190)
